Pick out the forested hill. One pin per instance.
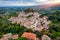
(7, 27)
(13, 9)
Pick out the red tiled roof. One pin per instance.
(29, 36)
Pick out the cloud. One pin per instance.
(26, 2)
(12, 0)
(18, 3)
(41, 0)
(53, 1)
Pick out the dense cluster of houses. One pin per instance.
(32, 36)
(31, 20)
(29, 36)
(9, 36)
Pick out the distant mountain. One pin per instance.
(13, 9)
(49, 6)
(45, 6)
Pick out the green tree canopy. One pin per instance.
(22, 38)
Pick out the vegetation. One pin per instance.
(7, 27)
(22, 38)
(54, 29)
(39, 34)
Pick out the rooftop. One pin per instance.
(30, 36)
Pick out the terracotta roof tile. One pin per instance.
(29, 35)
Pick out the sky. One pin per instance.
(26, 2)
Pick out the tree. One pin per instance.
(39, 34)
(54, 35)
(22, 38)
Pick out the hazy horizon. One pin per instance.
(27, 2)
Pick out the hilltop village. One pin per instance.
(30, 20)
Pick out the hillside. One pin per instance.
(54, 27)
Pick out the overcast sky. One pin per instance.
(25, 2)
